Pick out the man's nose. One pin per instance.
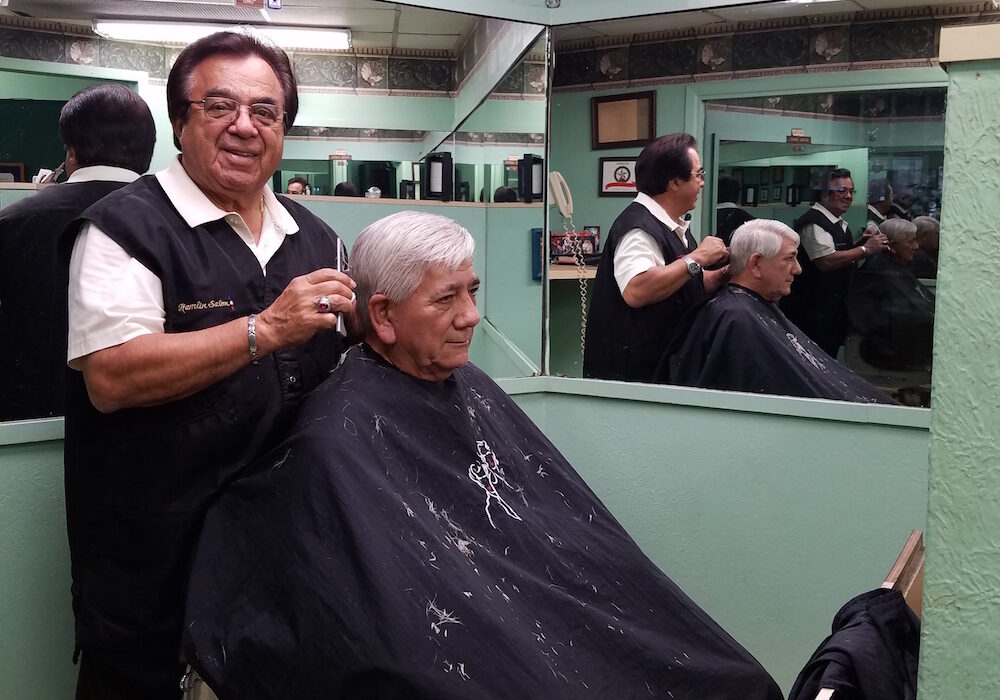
(243, 123)
(468, 316)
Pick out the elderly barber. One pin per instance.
(202, 309)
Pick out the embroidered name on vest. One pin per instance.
(201, 305)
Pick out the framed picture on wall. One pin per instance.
(764, 192)
(617, 177)
(765, 176)
(777, 174)
(594, 231)
(776, 194)
(11, 172)
(620, 121)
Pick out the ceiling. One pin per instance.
(372, 24)
(760, 12)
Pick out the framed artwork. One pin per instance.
(764, 192)
(749, 196)
(776, 194)
(617, 177)
(573, 243)
(765, 176)
(594, 231)
(11, 172)
(619, 121)
(777, 174)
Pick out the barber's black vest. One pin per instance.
(138, 481)
(623, 342)
(818, 301)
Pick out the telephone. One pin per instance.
(564, 201)
(562, 196)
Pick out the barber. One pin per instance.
(652, 272)
(202, 308)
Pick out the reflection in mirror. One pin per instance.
(879, 320)
(367, 115)
(870, 121)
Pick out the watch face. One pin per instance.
(693, 267)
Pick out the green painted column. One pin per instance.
(961, 623)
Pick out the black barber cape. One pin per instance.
(871, 655)
(738, 341)
(425, 540)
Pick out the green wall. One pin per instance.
(961, 615)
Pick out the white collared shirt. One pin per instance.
(638, 251)
(879, 216)
(114, 298)
(817, 241)
(107, 173)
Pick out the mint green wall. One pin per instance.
(961, 617)
(36, 621)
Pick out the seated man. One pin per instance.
(925, 257)
(418, 537)
(740, 340)
(890, 308)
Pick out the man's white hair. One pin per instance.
(757, 236)
(392, 255)
(897, 230)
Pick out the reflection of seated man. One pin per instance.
(297, 185)
(729, 216)
(879, 200)
(925, 257)
(740, 340)
(418, 537)
(890, 308)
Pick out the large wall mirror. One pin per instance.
(777, 107)
(415, 82)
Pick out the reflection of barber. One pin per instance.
(651, 269)
(298, 185)
(827, 254)
(728, 214)
(879, 201)
(109, 134)
(198, 317)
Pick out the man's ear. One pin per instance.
(379, 312)
(753, 264)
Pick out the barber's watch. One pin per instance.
(692, 265)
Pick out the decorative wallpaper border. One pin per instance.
(405, 73)
(898, 38)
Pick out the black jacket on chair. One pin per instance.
(871, 655)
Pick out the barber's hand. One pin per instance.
(295, 316)
(877, 243)
(871, 229)
(711, 251)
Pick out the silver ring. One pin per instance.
(323, 305)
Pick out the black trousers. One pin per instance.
(102, 681)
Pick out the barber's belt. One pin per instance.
(194, 686)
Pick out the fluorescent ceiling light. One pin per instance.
(309, 38)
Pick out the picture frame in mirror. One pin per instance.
(620, 121)
(11, 172)
(764, 194)
(776, 194)
(616, 177)
(594, 231)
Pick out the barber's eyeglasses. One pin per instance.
(842, 190)
(261, 113)
(699, 173)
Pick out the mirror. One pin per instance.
(729, 90)
(368, 115)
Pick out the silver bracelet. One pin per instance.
(252, 337)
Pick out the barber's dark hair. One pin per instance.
(835, 174)
(238, 44)
(301, 180)
(504, 194)
(729, 189)
(108, 125)
(345, 189)
(878, 190)
(663, 160)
